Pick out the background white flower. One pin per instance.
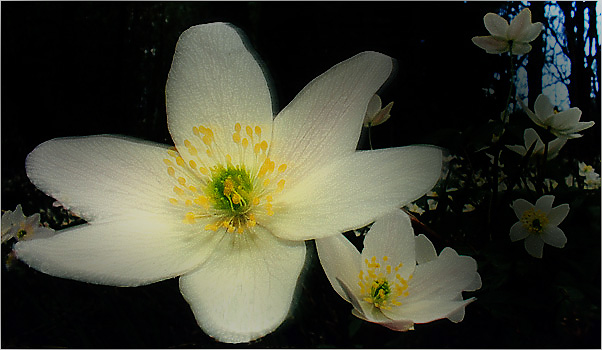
(561, 124)
(398, 279)
(229, 208)
(375, 115)
(514, 37)
(16, 225)
(530, 136)
(538, 223)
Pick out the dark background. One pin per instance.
(90, 68)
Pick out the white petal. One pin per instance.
(521, 48)
(520, 206)
(566, 119)
(392, 235)
(496, 25)
(353, 191)
(557, 214)
(121, 253)
(215, 81)
(531, 136)
(543, 107)
(425, 250)
(491, 44)
(520, 24)
(534, 246)
(374, 106)
(555, 145)
(244, 290)
(325, 119)
(340, 260)
(518, 232)
(544, 203)
(424, 311)
(518, 149)
(103, 177)
(441, 279)
(554, 237)
(530, 32)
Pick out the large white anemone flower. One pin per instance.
(398, 279)
(538, 224)
(514, 37)
(228, 209)
(562, 124)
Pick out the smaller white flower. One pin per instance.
(415, 208)
(398, 279)
(375, 115)
(16, 224)
(538, 224)
(561, 124)
(531, 137)
(585, 169)
(514, 37)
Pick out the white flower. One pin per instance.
(415, 208)
(561, 124)
(585, 169)
(228, 209)
(538, 223)
(592, 179)
(531, 137)
(16, 225)
(398, 279)
(375, 115)
(514, 37)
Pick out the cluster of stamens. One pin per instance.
(534, 220)
(379, 286)
(228, 189)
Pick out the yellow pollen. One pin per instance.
(236, 137)
(256, 201)
(173, 201)
(189, 218)
(167, 162)
(245, 143)
(281, 185)
(256, 148)
(211, 227)
(282, 168)
(534, 220)
(171, 171)
(195, 131)
(264, 146)
(192, 164)
(204, 171)
(182, 181)
(188, 203)
(193, 151)
(249, 131)
(206, 140)
(178, 191)
(180, 161)
(237, 127)
(258, 131)
(187, 143)
(266, 182)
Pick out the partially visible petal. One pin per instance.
(424, 311)
(520, 206)
(544, 203)
(543, 107)
(374, 106)
(554, 236)
(555, 145)
(340, 260)
(425, 250)
(353, 191)
(518, 232)
(534, 246)
(557, 214)
(519, 24)
(496, 25)
(244, 290)
(392, 235)
(521, 48)
(566, 120)
(325, 119)
(518, 149)
(121, 253)
(103, 177)
(215, 81)
(530, 32)
(531, 136)
(491, 44)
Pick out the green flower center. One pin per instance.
(380, 291)
(534, 220)
(229, 189)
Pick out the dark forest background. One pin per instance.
(78, 68)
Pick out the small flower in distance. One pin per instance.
(398, 279)
(592, 179)
(514, 37)
(531, 137)
(562, 124)
(16, 225)
(415, 208)
(375, 115)
(538, 224)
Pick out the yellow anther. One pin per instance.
(178, 191)
(202, 201)
(385, 258)
(245, 143)
(192, 164)
(236, 137)
(180, 161)
(182, 181)
(211, 227)
(249, 131)
(266, 182)
(173, 201)
(209, 153)
(282, 168)
(192, 188)
(193, 151)
(209, 133)
(264, 145)
(256, 201)
(237, 127)
(188, 203)
(235, 199)
(189, 218)
(195, 131)
(388, 268)
(172, 153)
(167, 162)
(204, 171)
(171, 171)
(256, 148)
(187, 143)
(258, 130)
(269, 198)
(281, 185)
(270, 213)
(228, 159)
(206, 140)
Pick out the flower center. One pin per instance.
(222, 190)
(534, 220)
(381, 285)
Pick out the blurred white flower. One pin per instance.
(398, 279)
(468, 208)
(375, 115)
(16, 225)
(415, 208)
(514, 37)
(562, 124)
(531, 137)
(538, 224)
